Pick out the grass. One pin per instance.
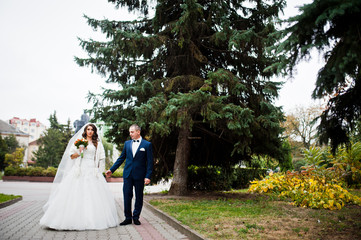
(6, 197)
(239, 215)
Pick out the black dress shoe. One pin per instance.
(126, 222)
(136, 222)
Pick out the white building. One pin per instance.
(23, 138)
(33, 147)
(6, 130)
(34, 128)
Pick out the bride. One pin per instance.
(80, 198)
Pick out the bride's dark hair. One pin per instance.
(95, 135)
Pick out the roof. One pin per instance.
(6, 128)
(14, 120)
(35, 142)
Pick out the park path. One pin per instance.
(21, 220)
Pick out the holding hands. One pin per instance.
(109, 174)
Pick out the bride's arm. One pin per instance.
(74, 152)
(101, 157)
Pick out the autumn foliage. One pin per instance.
(307, 188)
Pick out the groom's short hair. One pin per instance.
(136, 127)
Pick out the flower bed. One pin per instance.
(112, 179)
(28, 178)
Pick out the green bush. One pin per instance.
(14, 171)
(212, 178)
(208, 178)
(344, 164)
(35, 171)
(30, 171)
(118, 173)
(21, 171)
(243, 176)
(49, 172)
(298, 164)
(10, 171)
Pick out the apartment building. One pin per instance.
(34, 128)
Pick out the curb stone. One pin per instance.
(193, 235)
(10, 202)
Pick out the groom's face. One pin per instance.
(134, 134)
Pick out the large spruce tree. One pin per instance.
(193, 77)
(333, 27)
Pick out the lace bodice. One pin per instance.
(92, 157)
(89, 156)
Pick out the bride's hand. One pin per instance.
(74, 155)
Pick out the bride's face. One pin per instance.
(89, 131)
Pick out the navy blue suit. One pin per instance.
(135, 170)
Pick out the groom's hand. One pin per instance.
(108, 173)
(146, 181)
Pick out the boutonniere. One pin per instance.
(142, 149)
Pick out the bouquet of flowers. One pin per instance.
(81, 143)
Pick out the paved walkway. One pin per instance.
(21, 220)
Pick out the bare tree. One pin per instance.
(301, 124)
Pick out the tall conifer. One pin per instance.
(333, 28)
(193, 77)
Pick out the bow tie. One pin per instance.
(135, 140)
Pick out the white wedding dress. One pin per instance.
(82, 200)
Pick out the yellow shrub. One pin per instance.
(305, 189)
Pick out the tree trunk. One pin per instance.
(180, 172)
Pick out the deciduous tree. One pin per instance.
(12, 143)
(14, 159)
(301, 124)
(53, 143)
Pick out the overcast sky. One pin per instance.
(37, 70)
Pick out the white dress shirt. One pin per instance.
(135, 145)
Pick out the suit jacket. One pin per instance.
(141, 165)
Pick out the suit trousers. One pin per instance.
(128, 184)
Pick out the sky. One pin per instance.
(38, 74)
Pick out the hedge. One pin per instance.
(30, 171)
(213, 178)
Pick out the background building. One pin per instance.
(33, 147)
(7, 130)
(22, 138)
(34, 128)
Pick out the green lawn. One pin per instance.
(6, 197)
(239, 215)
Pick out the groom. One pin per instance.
(138, 168)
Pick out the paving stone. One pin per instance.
(21, 220)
